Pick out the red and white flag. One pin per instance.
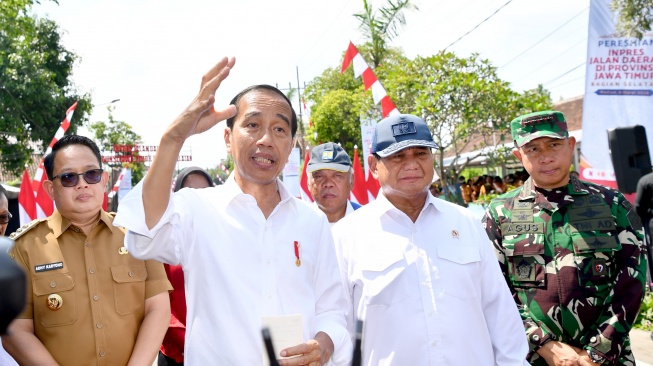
(116, 186)
(370, 81)
(44, 203)
(26, 203)
(361, 68)
(303, 181)
(359, 192)
(373, 185)
(40, 175)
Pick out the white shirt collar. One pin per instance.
(233, 190)
(385, 206)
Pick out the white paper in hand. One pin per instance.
(286, 331)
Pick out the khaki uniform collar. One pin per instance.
(60, 224)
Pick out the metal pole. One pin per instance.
(301, 121)
(299, 99)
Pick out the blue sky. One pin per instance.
(151, 54)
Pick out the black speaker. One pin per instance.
(630, 156)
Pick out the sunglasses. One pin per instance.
(4, 218)
(92, 176)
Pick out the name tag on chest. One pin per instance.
(48, 267)
(511, 228)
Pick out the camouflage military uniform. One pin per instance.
(574, 260)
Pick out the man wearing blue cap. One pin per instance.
(330, 180)
(421, 272)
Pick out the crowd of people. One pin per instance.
(553, 275)
(482, 188)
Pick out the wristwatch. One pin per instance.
(596, 358)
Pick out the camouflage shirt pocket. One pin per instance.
(526, 260)
(594, 257)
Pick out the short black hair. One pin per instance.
(236, 99)
(48, 161)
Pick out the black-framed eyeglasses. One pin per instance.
(92, 176)
(5, 217)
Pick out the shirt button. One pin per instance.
(87, 244)
(53, 284)
(98, 325)
(593, 339)
(131, 274)
(434, 343)
(102, 353)
(96, 297)
(91, 271)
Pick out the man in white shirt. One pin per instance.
(420, 272)
(330, 180)
(249, 250)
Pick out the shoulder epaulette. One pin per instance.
(25, 228)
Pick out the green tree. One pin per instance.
(458, 97)
(115, 132)
(337, 118)
(635, 17)
(35, 84)
(380, 27)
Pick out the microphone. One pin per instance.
(357, 359)
(267, 340)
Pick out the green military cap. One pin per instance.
(531, 126)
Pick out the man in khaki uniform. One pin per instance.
(89, 301)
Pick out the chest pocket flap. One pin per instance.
(60, 285)
(53, 283)
(129, 288)
(526, 262)
(462, 254)
(125, 274)
(384, 277)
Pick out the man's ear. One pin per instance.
(293, 143)
(352, 180)
(517, 154)
(373, 163)
(48, 185)
(105, 179)
(572, 142)
(227, 139)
